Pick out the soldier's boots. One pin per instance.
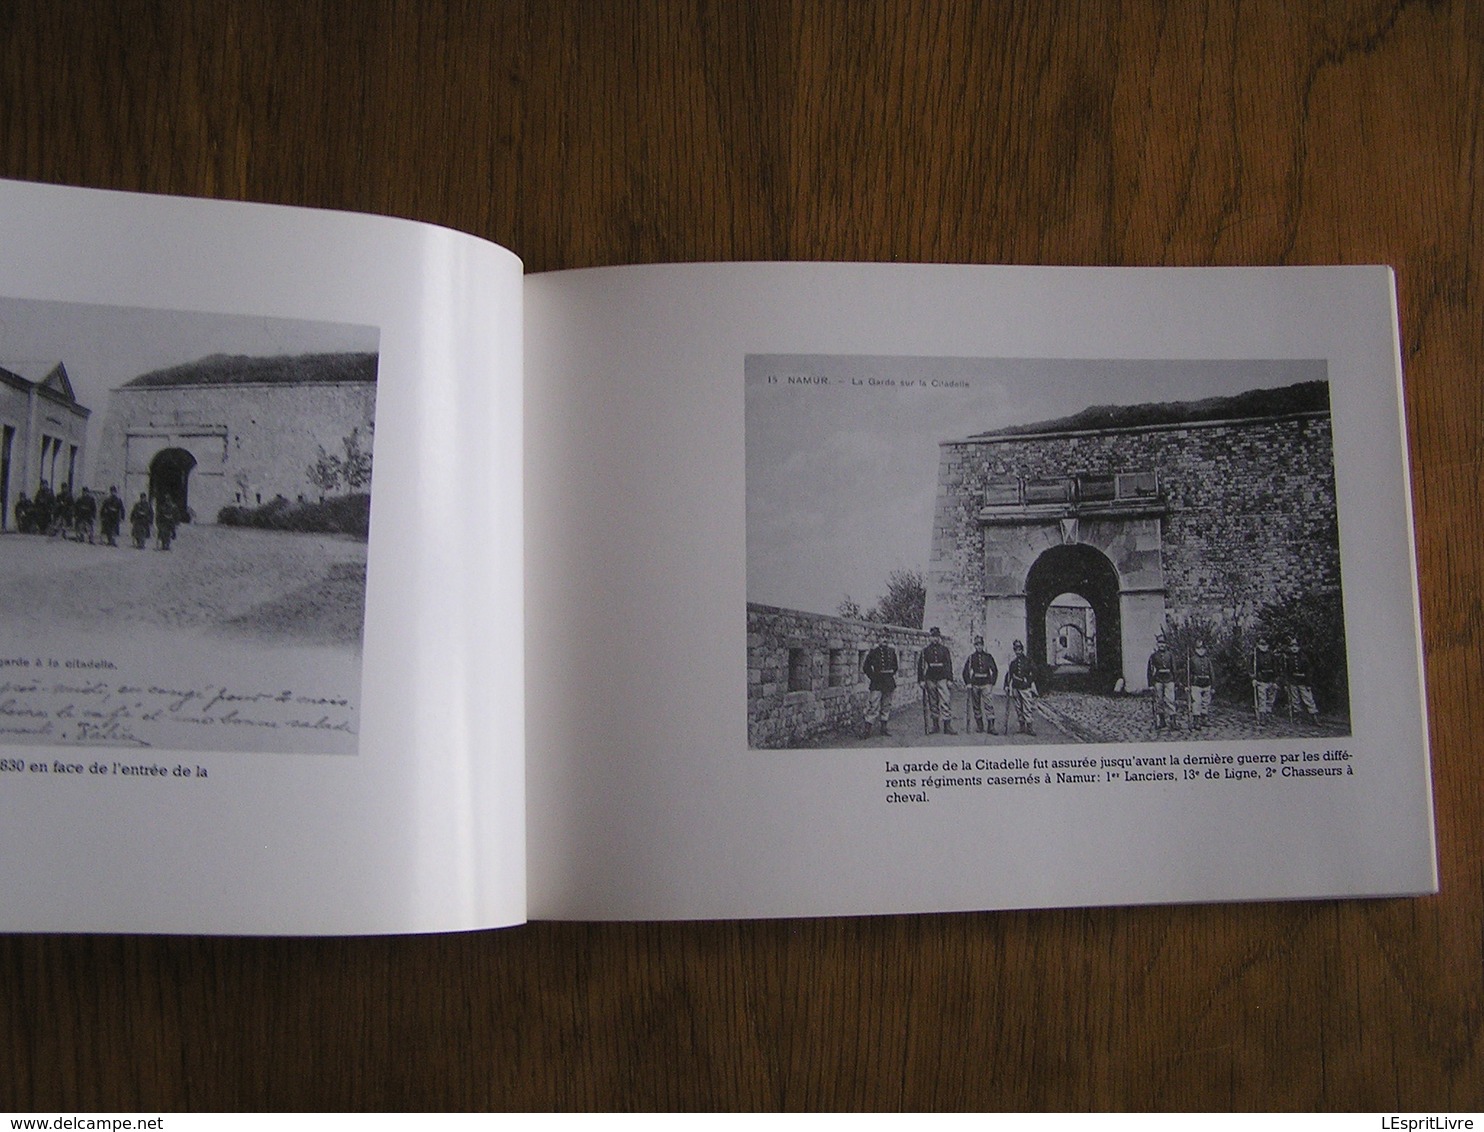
(948, 729)
(884, 731)
(866, 731)
(933, 730)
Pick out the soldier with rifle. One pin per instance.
(84, 515)
(141, 519)
(935, 676)
(41, 509)
(167, 518)
(1020, 686)
(980, 674)
(1299, 675)
(1161, 676)
(880, 668)
(1266, 672)
(111, 516)
(1200, 684)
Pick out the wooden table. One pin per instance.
(585, 134)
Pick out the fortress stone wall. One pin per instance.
(804, 676)
(212, 438)
(1152, 524)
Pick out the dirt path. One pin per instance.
(291, 588)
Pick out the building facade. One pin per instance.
(43, 433)
(235, 431)
(1212, 510)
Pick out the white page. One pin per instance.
(392, 823)
(646, 800)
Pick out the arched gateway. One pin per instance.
(1086, 573)
(1086, 536)
(1094, 544)
(170, 478)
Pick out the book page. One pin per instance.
(260, 472)
(873, 589)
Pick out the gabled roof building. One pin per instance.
(43, 432)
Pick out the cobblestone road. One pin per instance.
(1079, 717)
(907, 728)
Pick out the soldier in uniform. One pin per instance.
(141, 518)
(1266, 673)
(935, 676)
(167, 518)
(1299, 674)
(880, 667)
(1020, 686)
(111, 516)
(1200, 683)
(1161, 676)
(61, 512)
(84, 515)
(41, 509)
(23, 514)
(980, 675)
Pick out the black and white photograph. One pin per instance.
(186, 512)
(982, 551)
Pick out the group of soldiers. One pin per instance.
(935, 679)
(86, 518)
(1273, 674)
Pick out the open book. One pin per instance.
(352, 582)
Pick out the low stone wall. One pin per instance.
(804, 675)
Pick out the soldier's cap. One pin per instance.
(1293, 642)
(933, 632)
(978, 640)
(1019, 647)
(1159, 638)
(1201, 643)
(1262, 642)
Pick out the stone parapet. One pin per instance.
(804, 679)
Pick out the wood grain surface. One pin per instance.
(603, 133)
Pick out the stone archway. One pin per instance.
(1085, 571)
(169, 478)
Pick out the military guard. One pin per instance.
(111, 516)
(1200, 684)
(62, 512)
(980, 676)
(84, 515)
(41, 509)
(1161, 676)
(880, 668)
(1266, 673)
(1298, 672)
(167, 518)
(141, 518)
(935, 676)
(1020, 686)
(23, 514)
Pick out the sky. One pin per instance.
(842, 466)
(104, 347)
